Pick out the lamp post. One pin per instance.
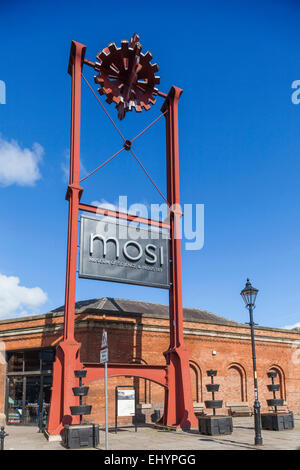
(249, 294)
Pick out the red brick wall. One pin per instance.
(96, 399)
(130, 340)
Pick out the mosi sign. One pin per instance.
(125, 253)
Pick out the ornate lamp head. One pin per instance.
(249, 294)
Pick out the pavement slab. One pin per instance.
(149, 438)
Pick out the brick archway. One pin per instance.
(143, 385)
(96, 397)
(156, 374)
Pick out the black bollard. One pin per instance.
(3, 434)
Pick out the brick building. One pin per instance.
(139, 332)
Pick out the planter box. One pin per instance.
(215, 425)
(210, 404)
(273, 387)
(80, 373)
(275, 402)
(277, 422)
(212, 387)
(80, 391)
(83, 435)
(81, 410)
(211, 373)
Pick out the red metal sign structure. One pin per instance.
(128, 79)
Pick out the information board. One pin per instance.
(126, 402)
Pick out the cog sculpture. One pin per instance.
(127, 76)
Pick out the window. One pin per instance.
(29, 384)
(32, 360)
(15, 362)
(47, 358)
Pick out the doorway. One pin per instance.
(28, 399)
(29, 382)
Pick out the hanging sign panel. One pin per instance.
(103, 355)
(112, 251)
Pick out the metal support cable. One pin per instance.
(136, 137)
(112, 121)
(148, 127)
(147, 174)
(103, 164)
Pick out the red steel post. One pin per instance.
(178, 410)
(67, 355)
(74, 190)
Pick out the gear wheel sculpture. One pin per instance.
(127, 76)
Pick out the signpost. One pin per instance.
(104, 359)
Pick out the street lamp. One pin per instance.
(249, 294)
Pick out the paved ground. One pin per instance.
(148, 438)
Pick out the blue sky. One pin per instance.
(239, 147)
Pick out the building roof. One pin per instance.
(136, 308)
(145, 309)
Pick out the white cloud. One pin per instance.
(103, 204)
(17, 165)
(16, 299)
(290, 327)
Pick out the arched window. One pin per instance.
(143, 386)
(235, 383)
(196, 381)
(279, 379)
